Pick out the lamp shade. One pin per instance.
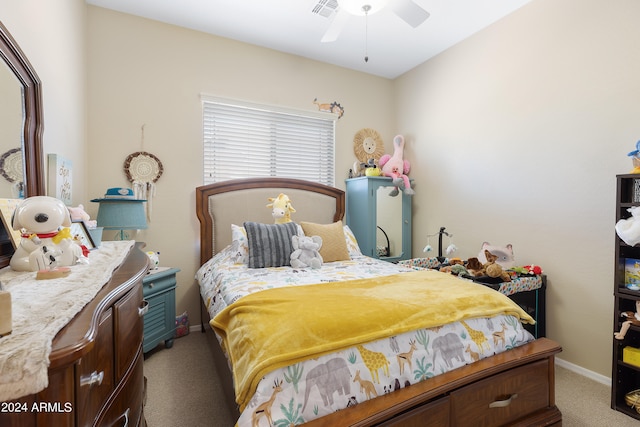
(121, 215)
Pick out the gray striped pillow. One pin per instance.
(270, 244)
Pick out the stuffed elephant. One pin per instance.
(306, 251)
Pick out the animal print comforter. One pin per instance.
(309, 389)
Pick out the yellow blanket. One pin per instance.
(283, 326)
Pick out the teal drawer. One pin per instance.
(158, 282)
(160, 319)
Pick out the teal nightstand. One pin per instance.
(159, 288)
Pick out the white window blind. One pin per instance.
(246, 140)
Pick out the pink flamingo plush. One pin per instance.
(396, 167)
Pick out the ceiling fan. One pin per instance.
(407, 10)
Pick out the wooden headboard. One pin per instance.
(236, 201)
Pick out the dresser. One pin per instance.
(380, 222)
(159, 287)
(96, 365)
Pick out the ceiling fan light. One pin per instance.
(355, 7)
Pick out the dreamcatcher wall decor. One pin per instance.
(143, 170)
(11, 168)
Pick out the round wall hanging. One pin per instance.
(11, 166)
(367, 144)
(143, 167)
(143, 170)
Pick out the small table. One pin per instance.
(159, 288)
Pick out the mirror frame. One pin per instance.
(33, 159)
(16, 60)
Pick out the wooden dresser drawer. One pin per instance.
(433, 414)
(94, 373)
(126, 406)
(128, 329)
(503, 398)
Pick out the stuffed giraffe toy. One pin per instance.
(281, 208)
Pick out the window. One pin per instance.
(244, 140)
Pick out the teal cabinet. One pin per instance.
(159, 288)
(380, 221)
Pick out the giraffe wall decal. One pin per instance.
(374, 361)
(477, 337)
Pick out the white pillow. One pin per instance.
(352, 243)
(240, 244)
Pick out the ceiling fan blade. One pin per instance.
(336, 26)
(410, 12)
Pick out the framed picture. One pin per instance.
(60, 171)
(80, 232)
(632, 274)
(7, 206)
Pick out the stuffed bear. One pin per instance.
(492, 269)
(306, 251)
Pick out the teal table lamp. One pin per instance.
(120, 210)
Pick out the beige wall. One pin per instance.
(151, 73)
(516, 135)
(51, 33)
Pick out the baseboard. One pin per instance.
(584, 372)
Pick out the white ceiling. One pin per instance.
(392, 46)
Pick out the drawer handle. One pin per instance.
(93, 379)
(125, 415)
(143, 310)
(151, 285)
(503, 403)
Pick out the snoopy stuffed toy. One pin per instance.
(45, 243)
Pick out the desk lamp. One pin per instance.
(120, 210)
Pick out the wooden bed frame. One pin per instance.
(516, 387)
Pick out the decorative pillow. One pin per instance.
(334, 244)
(352, 243)
(270, 244)
(240, 243)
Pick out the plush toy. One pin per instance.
(504, 254)
(46, 244)
(79, 214)
(474, 266)
(635, 158)
(634, 319)
(629, 229)
(396, 167)
(281, 208)
(527, 269)
(492, 269)
(154, 260)
(306, 251)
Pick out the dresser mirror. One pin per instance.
(21, 126)
(389, 223)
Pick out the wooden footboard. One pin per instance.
(516, 387)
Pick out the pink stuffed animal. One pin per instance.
(396, 167)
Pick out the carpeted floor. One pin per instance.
(182, 391)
